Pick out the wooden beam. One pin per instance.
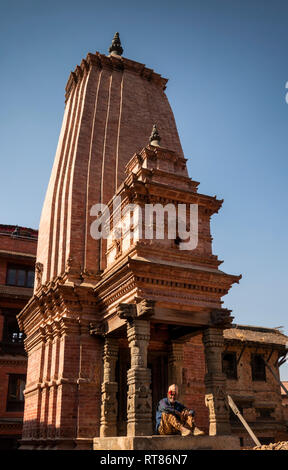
(270, 355)
(281, 361)
(275, 376)
(241, 352)
(177, 317)
(183, 333)
(243, 421)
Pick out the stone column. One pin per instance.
(215, 382)
(175, 366)
(109, 405)
(139, 400)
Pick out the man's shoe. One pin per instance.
(198, 432)
(185, 431)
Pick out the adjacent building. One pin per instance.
(17, 264)
(252, 383)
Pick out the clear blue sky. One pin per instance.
(227, 65)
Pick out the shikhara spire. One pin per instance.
(155, 138)
(116, 47)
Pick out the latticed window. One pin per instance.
(15, 397)
(229, 365)
(258, 367)
(21, 276)
(264, 413)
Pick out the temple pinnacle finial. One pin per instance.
(115, 48)
(155, 137)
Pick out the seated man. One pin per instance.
(173, 418)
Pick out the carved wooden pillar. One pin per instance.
(175, 366)
(109, 405)
(215, 382)
(139, 402)
(139, 399)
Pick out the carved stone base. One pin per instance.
(109, 388)
(139, 403)
(215, 383)
(218, 412)
(109, 408)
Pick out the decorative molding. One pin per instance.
(112, 62)
(182, 285)
(108, 299)
(127, 311)
(97, 329)
(13, 362)
(221, 317)
(145, 308)
(38, 275)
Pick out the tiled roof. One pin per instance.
(256, 334)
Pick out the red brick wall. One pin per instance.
(108, 117)
(10, 364)
(66, 401)
(18, 245)
(9, 367)
(193, 378)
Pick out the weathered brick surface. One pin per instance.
(193, 379)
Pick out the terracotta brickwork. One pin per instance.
(106, 314)
(112, 103)
(87, 290)
(17, 248)
(193, 380)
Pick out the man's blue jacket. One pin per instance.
(165, 406)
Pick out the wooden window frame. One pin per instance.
(15, 404)
(234, 375)
(20, 267)
(256, 375)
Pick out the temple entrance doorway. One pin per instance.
(158, 364)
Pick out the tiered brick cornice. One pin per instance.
(111, 62)
(144, 184)
(50, 303)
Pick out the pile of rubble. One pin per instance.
(276, 446)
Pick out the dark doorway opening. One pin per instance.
(158, 364)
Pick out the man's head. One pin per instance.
(172, 393)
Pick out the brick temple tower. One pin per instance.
(110, 321)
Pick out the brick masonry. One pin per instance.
(16, 250)
(110, 110)
(111, 105)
